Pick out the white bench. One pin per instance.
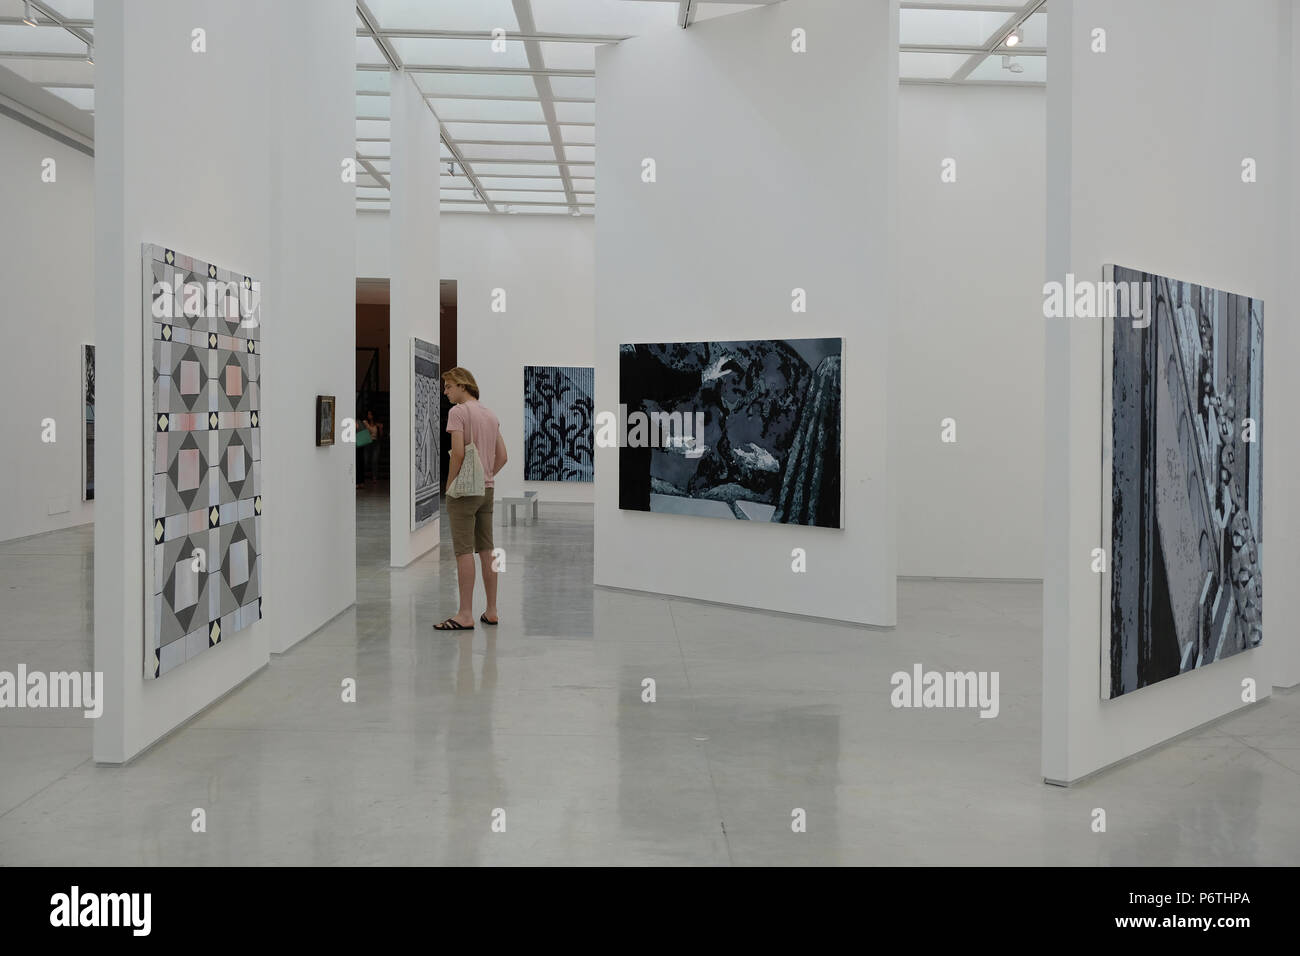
(527, 500)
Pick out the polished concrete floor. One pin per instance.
(756, 715)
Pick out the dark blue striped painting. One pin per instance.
(558, 430)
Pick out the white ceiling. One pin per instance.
(518, 122)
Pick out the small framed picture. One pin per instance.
(324, 419)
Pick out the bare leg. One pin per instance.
(465, 581)
(489, 583)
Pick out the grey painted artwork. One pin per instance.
(559, 439)
(88, 423)
(203, 499)
(1184, 481)
(425, 433)
(746, 431)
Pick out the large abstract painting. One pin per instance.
(738, 430)
(203, 448)
(558, 434)
(1181, 480)
(425, 433)
(88, 423)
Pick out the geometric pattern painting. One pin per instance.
(88, 423)
(204, 456)
(1182, 481)
(426, 437)
(744, 431)
(558, 434)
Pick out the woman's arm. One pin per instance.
(499, 456)
(457, 456)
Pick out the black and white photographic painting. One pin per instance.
(742, 430)
(426, 390)
(1182, 480)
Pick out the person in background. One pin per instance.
(471, 518)
(371, 451)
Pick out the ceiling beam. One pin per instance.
(991, 45)
(521, 34)
(524, 15)
(475, 70)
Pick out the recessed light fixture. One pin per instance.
(28, 18)
(1015, 37)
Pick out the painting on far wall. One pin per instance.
(88, 423)
(746, 431)
(426, 434)
(325, 420)
(559, 439)
(1182, 479)
(203, 500)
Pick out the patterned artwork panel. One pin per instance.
(426, 433)
(559, 440)
(202, 331)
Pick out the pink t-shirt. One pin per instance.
(483, 427)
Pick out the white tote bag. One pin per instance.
(470, 481)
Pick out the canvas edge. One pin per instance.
(148, 253)
(1106, 522)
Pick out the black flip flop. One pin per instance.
(452, 625)
(483, 618)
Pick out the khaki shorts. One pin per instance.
(471, 523)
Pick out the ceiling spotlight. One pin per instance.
(27, 13)
(1015, 37)
(577, 212)
(1010, 63)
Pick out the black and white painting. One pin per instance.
(558, 429)
(1182, 479)
(425, 432)
(746, 431)
(88, 423)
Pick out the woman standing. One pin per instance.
(471, 518)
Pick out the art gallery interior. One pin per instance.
(1013, 567)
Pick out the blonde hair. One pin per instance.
(462, 377)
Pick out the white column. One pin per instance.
(309, 338)
(413, 295)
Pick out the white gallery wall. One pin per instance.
(545, 266)
(46, 259)
(1145, 151)
(968, 343)
(308, 342)
(189, 189)
(414, 298)
(1286, 653)
(764, 184)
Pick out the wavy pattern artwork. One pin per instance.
(1186, 482)
(558, 434)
